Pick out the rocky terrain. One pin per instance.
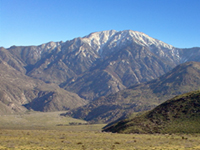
(96, 65)
(18, 90)
(145, 96)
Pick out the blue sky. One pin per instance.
(34, 22)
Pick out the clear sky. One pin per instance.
(34, 22)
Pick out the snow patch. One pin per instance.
(112, 63)
(98, 39)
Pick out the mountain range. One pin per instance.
(96, 65)
(145, 96)
(19, 92)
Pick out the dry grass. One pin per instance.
(37, 120)
(93, 140)
(81, 137)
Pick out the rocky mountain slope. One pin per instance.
(178, 115)
(96, 65)
(18, 90)
(116, 59)
(141, 97)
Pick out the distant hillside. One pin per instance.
(12, 60)
(183, 78)
(18, 90)
(178, 115)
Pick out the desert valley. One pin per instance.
(106, 90)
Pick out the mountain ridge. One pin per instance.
(18, 90)
(117, 58)
(183, 78)
(98, 64)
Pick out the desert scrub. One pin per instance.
(58, 139)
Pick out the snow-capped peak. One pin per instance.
(147, 40)
(98, 39)
(139, 38)
(112, 38)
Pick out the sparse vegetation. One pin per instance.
(37, 130)
(178, 115)
(73, 140)
(38, 120)
(21, 132)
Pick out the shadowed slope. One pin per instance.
(178, 115)
(184, 78)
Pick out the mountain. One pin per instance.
(12, 60)
(183, 78)
(102, 63)
(180, 114)
(18, 90)
(116, 59)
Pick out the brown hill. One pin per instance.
(12, 60)
(18, 90)
(178, 115)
